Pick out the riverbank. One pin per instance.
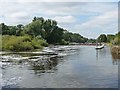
(22, 43)
(115, 50)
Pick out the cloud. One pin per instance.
(105, 23)
(64, 19)
(19, 15)
(100, 21)
(61, 0)
(78, 17)
(17, 18)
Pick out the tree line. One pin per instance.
(110, 38)
(44, 29)
(40, 32)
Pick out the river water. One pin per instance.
(73, 67)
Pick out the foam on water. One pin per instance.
(7, 60)
(10, 82)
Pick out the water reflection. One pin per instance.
(116, 58)
(101, 53)
(96, 54)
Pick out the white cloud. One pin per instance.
(74, 16)
(105, 23)
(18, 15)
(61, 0)
(64, 19)
(17, 18)
(100, 21)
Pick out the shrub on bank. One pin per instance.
(63, 42)
(117, 41)
(21, 43)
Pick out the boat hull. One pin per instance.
(99, 47)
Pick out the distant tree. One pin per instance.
(12, 30)
(91, 41)
(67, 36)
(19, 29)
(44, 29)
(20, 26)
(110, 37)
(102, 38)
(55, 36)
(5, 29)
(117, 39)
(49, 27)
(34, 28)
(74, 37)
(34, 19)
(0, 29)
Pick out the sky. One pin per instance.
(89, 18)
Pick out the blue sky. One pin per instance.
(87, 17)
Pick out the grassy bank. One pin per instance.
(114, 43)
(22, 43)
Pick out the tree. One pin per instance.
(35, 28)
(5, 29)
(110, 37)
(91, 41)
(19, 29)
(50, 26)
(44, 29)
(34, 19)
(74, 37)
(117, 39)
(55, 36)
(102, 38)
(47, 29)
(12, 30)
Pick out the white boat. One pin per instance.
(100, 47)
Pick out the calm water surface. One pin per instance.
(82, 67)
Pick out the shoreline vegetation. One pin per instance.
(114, 43)
(41, 33)
(22, 43)
(115, 50)
(37, 34)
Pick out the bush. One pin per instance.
(39, 43)
(22, 43)
(117, 41)
(36, 44)
(43, 43)
(63, 42)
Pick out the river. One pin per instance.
(73, 67)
